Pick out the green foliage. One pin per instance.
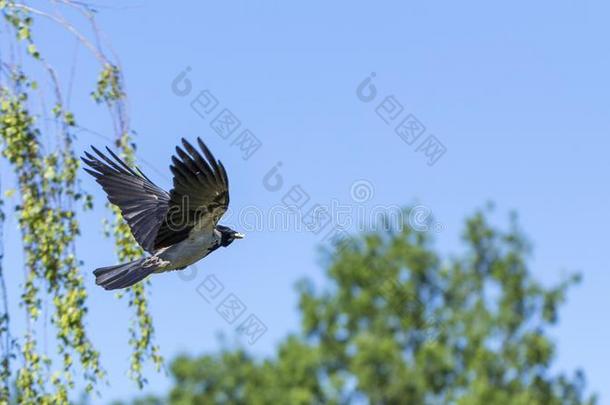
(402, 325)
(48, 190)
(109, 88)
(6, 343)
(49, 229)
(141, 330)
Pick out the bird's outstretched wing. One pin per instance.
(200, 196)
(142, 203)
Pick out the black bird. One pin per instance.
(177, 228)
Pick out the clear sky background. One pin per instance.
(516, 91)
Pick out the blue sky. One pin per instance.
(516, 92)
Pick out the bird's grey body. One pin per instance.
(198, 245)
(178, 228)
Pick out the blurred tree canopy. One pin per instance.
(400, 324)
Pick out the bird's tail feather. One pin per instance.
(123, 275)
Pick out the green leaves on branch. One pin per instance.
(49, 228)
(141, 329)
(22, 22)
(47, 189)
(109, 88)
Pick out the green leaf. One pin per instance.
(33, 51)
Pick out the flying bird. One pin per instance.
(177, 228)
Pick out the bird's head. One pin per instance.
(228, 235)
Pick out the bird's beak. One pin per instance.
(238, 235)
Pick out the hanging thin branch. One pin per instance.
(5, 334)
